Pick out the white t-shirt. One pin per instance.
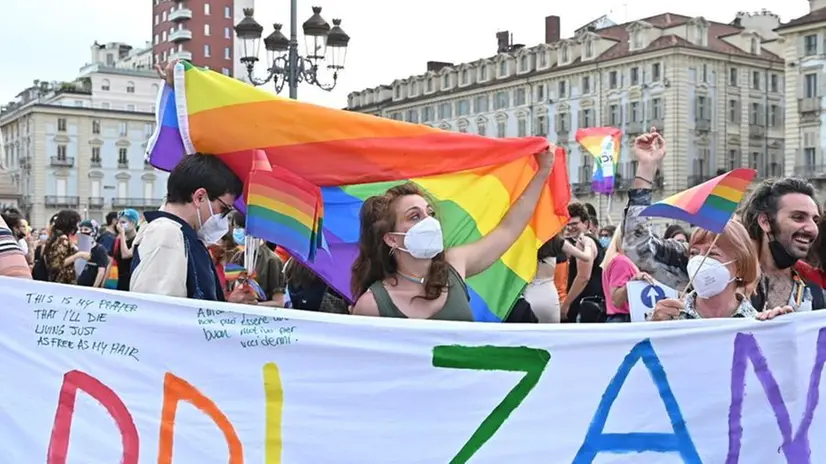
(24, 245)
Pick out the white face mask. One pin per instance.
(424, 240)
(125, 225)
(711, 279)
(215, 227)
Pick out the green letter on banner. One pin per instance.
(531, 361)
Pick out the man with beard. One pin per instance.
(782, 218)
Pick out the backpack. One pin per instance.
(40, 271)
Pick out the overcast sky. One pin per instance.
(50, 39)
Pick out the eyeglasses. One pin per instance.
(227, 208)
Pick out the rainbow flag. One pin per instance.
(352, 156)
(604, 144)
(709, 205)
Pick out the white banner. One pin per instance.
(93, 376)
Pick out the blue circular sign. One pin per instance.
(651, 294)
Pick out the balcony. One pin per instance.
(702, 125)
(53, 201)
(180, 14)
(180, 35)
(96, 202)
(95, 163)
(181, 55)
(582, 188)
(811, 171)
(123, 164)
(658, 123)
(757, 131)
(635, 128)
(62, 161)
(562, 134)
(697, 179)
(138, 203)
(808, 105)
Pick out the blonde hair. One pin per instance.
(737, 243)
(614, 249)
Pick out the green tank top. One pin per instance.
(456, 308)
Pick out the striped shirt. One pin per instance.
(12, 260)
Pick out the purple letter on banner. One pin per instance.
(597, 442)
(795, 445)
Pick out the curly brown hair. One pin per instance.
(375, 262)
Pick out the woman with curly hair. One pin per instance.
(402, 269)
(59, 253)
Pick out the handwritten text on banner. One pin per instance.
(95, 376)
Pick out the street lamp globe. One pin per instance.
(276, 44)
(337, 41)
(315, 35)
(249, 32)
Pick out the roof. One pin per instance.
(817, 16)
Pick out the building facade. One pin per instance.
(200, 31)
(81, 145)
(805, 55)
(715, 90)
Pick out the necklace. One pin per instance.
(415, 280)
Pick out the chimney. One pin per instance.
(552, 30)
(437, 66)
(502, 41)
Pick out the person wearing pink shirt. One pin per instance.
(618, 270)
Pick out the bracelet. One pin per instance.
(644, 180)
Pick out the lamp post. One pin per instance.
(325, 46)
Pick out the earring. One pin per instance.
(392, 250)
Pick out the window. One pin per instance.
(148, 129)
(635, 112)
(445, 110)
(148, 190)
(541, 125)
(563, 124)
(206, 9)
(755, 80)
(566, 55)
(586, 85)
(397, 92)
(589, 49)
(130, 87)
(519, 97)
(540, 93)
(227, 12)
(446, 81)
(657, 108)
(702, 107)
(543, 59)
(755, 47)
(613, 115)
(587, 117)
(755, 117)
(563, 89)
(810, 45)
(483, 72)
(156, 22)
(96, 127)
(732, 160)
(227, 33)
(500, 129)
(95, 188)
(427, 114)
(523, 63)
(96, 157)
(61, 152)
(500, 100)
(225, 71)
(429, 85)
(635, 75)
(705, 73)
(733, 111)
(412, 116)
(774, 85)
(463, 107)
(465, 77)
(123, 129)
(774, 116)
(613, 81)
(480, 104)
(732, 77)
(809, 157)
(60, 187)
(227, 53)
(163, 36)
(503, 68)
(123, 157)
(656, 72)
(163, 16)
(637, 41)
(206, 30)
(482, 128)
(810, 86)
(123, 189)
(61, 124)
(521, 127)
(206, 51)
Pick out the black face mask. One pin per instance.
(782, 258)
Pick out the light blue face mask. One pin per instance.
(239, 236)
(605, 241)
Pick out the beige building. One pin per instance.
(805, 55)
(81, 145)
(714, 89)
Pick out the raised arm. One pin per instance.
(664, 260)
(473, 258)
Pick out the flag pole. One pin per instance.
(705, 255)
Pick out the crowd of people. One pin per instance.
(768, 261)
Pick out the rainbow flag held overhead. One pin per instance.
(352, 156)
(604, 144)
(709, 205)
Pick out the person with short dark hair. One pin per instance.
(782, 216)
(170, 252)
(12, 260)
(593, 218)
(94, 273)
(676, 232)
(109, 234)
(584, 278)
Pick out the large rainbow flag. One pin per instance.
(352, 156)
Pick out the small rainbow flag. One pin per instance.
(709, 205)
(285, 209)
(352, 156)
(604, 144)
(233, 272)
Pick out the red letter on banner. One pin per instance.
(77, 380)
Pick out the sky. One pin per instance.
(50, 39)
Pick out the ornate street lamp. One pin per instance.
(285, 66)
